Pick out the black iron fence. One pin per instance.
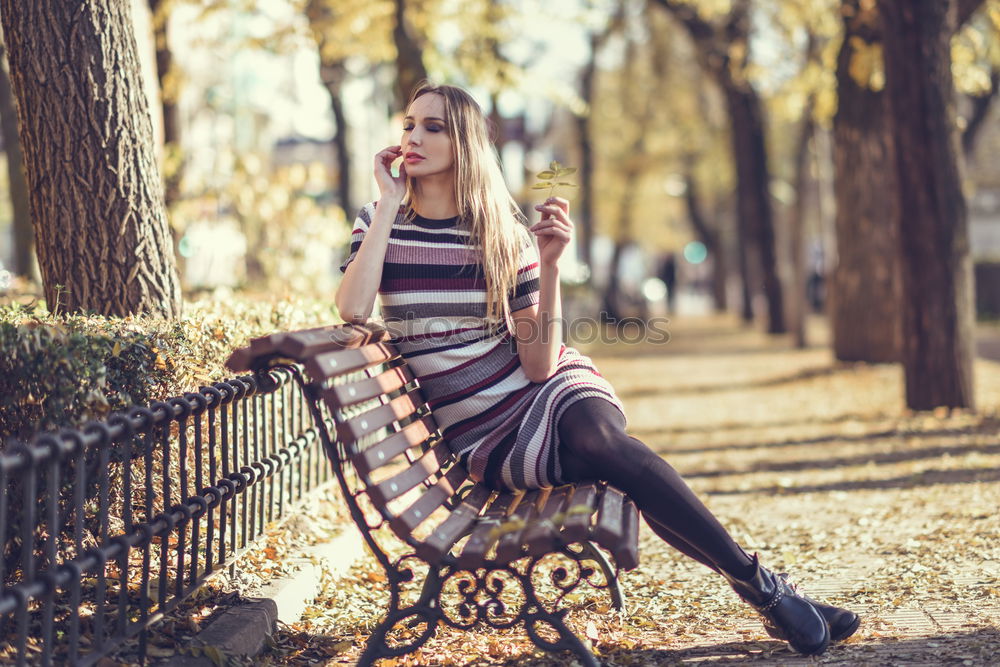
(108, 527)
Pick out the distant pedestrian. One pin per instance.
(668, 274)
(816, 282)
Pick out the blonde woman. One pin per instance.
(475, 309)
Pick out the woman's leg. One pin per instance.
(594, 446)
(679, 543)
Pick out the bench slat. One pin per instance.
(432, 460)
(485, 534)
(243, 359)
(509, 546)
(542, 535)
(380, 417)
(576, 526)
(343, 395)
(310, 342)
(429, 501)
(627, 551)
(300, 344)
(452, 529)
(609, 527)
(326, 365)
(379, 454)
(617, 525)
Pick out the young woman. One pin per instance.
(475, 309)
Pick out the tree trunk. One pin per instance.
(584, 214)
(720, 274)
(173, 164)
(623, 238)
(528, 142)
(24, 235)
(333, 75)
(410, 68)
(708, 236)
(754, 194)
(588, 78)
(95, 191)
(612, 291)
(865, 292)
(743, 240)
(797, 240)
(936, 264)
(981, 105)
(715, 48)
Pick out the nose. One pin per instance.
(415, 136)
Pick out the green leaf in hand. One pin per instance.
(548, 177)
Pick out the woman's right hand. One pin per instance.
(389, 185)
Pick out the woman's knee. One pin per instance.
(593, 435)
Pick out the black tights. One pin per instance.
(594, 446)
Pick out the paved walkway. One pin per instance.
(819, 468)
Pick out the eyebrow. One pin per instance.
(427, 118)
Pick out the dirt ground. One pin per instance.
(813, 464)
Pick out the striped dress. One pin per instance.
(501, 424)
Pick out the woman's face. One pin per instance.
(426, 144)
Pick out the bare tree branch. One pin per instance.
(713, 57)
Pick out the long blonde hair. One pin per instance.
(484, 201)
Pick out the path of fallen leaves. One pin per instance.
(813, 464)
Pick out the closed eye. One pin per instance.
(431, 127)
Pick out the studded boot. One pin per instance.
(843, 622)
(800, 624)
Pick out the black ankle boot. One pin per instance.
(800, 623)
(843, 622)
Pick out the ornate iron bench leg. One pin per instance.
(424, 610)
(610, 574)
(537, 613)
(567, 640)
(377, 647)
(432, 587)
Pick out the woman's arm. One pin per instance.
(355, 296)
(539, 328)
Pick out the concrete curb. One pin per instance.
(243, 630)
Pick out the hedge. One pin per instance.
(60, 371)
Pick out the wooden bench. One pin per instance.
(497, 558)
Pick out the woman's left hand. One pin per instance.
(554, 230)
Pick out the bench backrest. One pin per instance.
(404, 471)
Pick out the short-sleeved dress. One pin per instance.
(432, 293)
